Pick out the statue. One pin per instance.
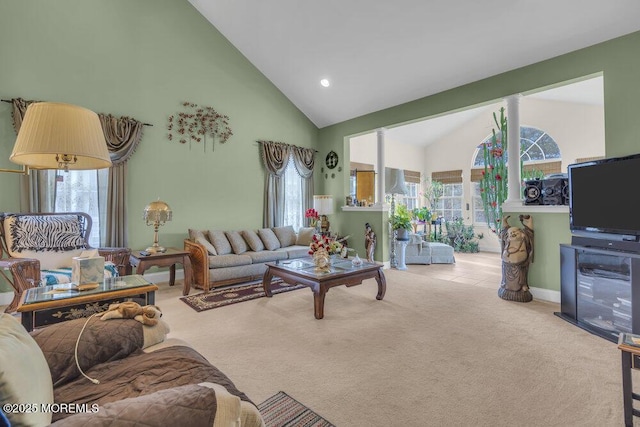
(517, 254)
(369, 242)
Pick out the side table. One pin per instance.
(170, 258)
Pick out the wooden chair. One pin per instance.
(29, 241)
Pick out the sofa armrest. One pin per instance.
(118, 256)
(24, 274)
(199, 263)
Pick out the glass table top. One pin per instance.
(307, 267)
(64, 291)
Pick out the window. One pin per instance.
(411, 198)
(78, 191)
(293, 203)
(450, 204)
(540, 156)
(478, 209)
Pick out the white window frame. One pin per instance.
(448, 195)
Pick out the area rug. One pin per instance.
(231, 295)
(282, 410)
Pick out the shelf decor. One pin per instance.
(195, 123)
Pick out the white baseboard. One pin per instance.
(546, 294)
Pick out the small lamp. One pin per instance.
(324, 205)
(60, 136)
(156, 214)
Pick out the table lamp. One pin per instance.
(156, 214)
(324, 205)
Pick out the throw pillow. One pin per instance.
(220, 242)
(286, 235)
(269, 239)
(24, 373)
(199, 237)
(253, 240)
(155, 334)
(305, 236)
(238, 244)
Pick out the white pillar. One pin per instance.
(380, 189)
(513, 137)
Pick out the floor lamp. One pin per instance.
(397, 177)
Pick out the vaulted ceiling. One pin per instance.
(377, 54)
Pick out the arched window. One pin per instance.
(535, 146)
(539, 153)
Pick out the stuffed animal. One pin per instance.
(147, 315)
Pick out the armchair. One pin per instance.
(37, 245)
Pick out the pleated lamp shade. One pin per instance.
(323, 204)
(398, 186)
(60, 136)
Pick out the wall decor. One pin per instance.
(196, 122)
(332, 159)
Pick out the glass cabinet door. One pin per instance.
(604, 292)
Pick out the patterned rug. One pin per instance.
(231, 295)
(282, 410)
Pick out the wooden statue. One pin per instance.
(517, 254)
(369, 242)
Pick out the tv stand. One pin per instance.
(600, 287)
(613, 242)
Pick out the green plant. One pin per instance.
(433, 191)
(401, 218)
(421, 214)
(493, 185)
(461, 236)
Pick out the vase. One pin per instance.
(356, 261)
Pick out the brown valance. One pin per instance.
(589, 159)
(122, 134)
(447, 177)
(412, 176)
(547, 168)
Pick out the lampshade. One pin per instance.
(397, 179)
(323, 204)
(60, 136)
(157, 211)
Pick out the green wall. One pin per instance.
(618, 59)
(142, 58)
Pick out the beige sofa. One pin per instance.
(221, 258)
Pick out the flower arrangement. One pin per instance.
(313, 216)
(324, 243)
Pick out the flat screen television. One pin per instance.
(602, 197)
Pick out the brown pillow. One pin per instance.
(220, 242)
(237, 242)
(286, 235)
(305, 236)
(253, 240)
(269, 239)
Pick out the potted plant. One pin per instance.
(401, 222)
(421, 216)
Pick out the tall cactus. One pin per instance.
(493, 185)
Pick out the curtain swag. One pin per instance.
(275, 156)
(122, 134)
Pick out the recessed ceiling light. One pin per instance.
(325, 82)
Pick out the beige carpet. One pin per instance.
(434, 352)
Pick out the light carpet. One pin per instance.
(433, 353)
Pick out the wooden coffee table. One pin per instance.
(46, 305)
(302, 271)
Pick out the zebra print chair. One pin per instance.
(36, 246)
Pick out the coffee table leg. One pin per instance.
(318, 303)
(266, 282)
(382, 285)
(172, 275)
